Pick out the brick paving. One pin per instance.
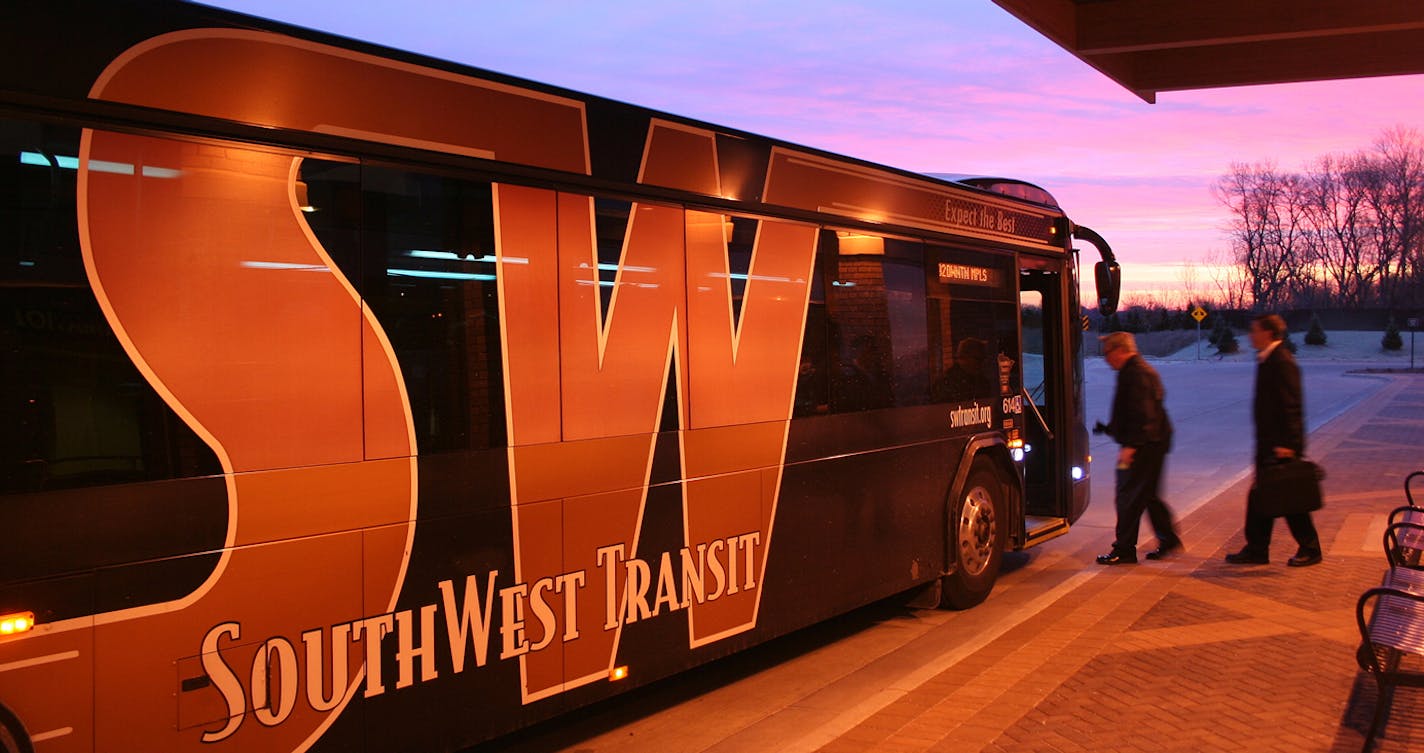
(1194, 655)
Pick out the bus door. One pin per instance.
(1045, 370)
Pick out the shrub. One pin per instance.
(1228, 343)
(1391, 339)
(1226, 340)
(1316, 335)
(1222, 337)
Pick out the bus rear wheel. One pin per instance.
(976, 538)
(11, 739)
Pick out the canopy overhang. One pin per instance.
(1151, 46)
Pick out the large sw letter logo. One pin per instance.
(585, 391)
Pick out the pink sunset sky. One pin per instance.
(934, 86)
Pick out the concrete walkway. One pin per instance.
(1193, 655)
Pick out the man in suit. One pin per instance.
(1279, 413)
(1139, 423)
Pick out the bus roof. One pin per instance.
(1014, 187)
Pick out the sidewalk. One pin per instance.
(1192, 655)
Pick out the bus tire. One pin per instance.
(12, 737)
(976, 532)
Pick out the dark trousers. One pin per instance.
(1138, 490)
(1258, 532)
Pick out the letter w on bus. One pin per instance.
(585, 390)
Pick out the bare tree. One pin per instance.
(1188, 275)
(1291, 240)
(1392, 180)
(1230, 279)
(1338, 219)
(1348, 230)
(1265, 232)
(1401, 153)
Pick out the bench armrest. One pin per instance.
(1403, 535)
(1406, 513)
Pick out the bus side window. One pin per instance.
(877, 334)
(429, 277)
(968, 352)
(909, 333)
(76, 411)
(813, 385)
(972, 325)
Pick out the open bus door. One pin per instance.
(1043, 321)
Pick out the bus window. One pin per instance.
(610, 220)
(973, 330)
(613, 219)
(430, 280)
(813, 382)
(876, 322)
(741, 242)
(76, 411)
(1033, 374)
(96, 471)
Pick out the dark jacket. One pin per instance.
(1138, 416)
(1279, 406)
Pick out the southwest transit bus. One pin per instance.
(357, 401)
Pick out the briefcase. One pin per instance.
(1286, 487)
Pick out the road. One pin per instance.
(808, 690)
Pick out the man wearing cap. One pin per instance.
(1139, 423)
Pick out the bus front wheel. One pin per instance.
(976, 537)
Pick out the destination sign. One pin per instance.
(821, 184)
(974, 215)
(965, 274)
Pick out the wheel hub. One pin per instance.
(976, 531)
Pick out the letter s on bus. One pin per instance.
(225, 680)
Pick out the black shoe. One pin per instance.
(1164, 551)
(1116, 558)
(1247, 557)
(1304, 559)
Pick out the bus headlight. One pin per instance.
(1077, 473)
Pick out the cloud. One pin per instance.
(921, 85)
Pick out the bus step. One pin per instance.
(1038, 529)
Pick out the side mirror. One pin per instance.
(1108, 276)
(1107, 272)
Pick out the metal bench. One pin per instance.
(1392, 639)
(1392, 634)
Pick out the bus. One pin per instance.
(360, 401)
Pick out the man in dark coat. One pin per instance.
(1139, 423)
(1279, 413)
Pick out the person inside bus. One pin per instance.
(1140, 424)
(863, 381)
(965, 379)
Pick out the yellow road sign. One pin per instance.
(1198, 313)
